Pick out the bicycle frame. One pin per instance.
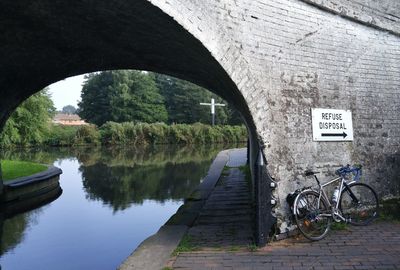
(334, 208)
(314, 210)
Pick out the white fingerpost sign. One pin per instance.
(332, 125)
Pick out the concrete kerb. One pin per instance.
(35, 178)
(31, 186)
(155, 251)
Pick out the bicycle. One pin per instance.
(352, 202)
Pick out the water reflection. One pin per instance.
(16, 216)
(113, 198)
(130, 176)
(128, 156)
(13, 229)
(121, 186)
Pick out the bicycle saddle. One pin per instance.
(309, 173)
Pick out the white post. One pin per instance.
(212, 104)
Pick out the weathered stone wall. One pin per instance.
(275, 60)
(381, 14)
(287, 57)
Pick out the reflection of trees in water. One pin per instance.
(13, 229)
(151, 155)
(119, 155)
(120, 186)
(122, 176)
(119, 176)
(40, 155)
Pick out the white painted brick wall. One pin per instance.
(287, 57)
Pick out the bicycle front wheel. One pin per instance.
(359, 204)
(312, 215)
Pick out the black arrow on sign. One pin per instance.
(344, 135)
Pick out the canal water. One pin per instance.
(112, 199)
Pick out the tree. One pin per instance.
(29, 123)
(182, 100)
(121, 96)
(69, 109)
(233, 116)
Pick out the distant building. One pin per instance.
(68, 120)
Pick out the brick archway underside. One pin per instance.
(46, 41)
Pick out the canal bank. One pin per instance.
(197, 218)
(30, 192)
(31, 186)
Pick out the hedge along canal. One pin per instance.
(113, 199)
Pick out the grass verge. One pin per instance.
(12, 169)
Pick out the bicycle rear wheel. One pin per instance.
(312, 215)
(359, 204)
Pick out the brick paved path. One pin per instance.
(376, 246)
(226, 218)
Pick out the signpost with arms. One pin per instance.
(212, 104)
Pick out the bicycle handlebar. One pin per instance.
(357, 169)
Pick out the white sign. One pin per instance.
(332, 125)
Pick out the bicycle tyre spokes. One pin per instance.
(359, 204)
(311, 214)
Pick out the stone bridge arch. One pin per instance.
(273, 60)
(46, 41)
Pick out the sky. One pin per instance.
(66, 92)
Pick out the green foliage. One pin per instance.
(129, 133)
(87, 134)
(160, 133)
(134, 99)
(29, 123)
(61, 136)
(171, 171)
(13, 231)
(121, 155)
(339, 226)
(121, 96)
(134, 96)
(15, 169)
(72, 135)
(182, 100)
(186, 245)
(252, 247)
(114, 133)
